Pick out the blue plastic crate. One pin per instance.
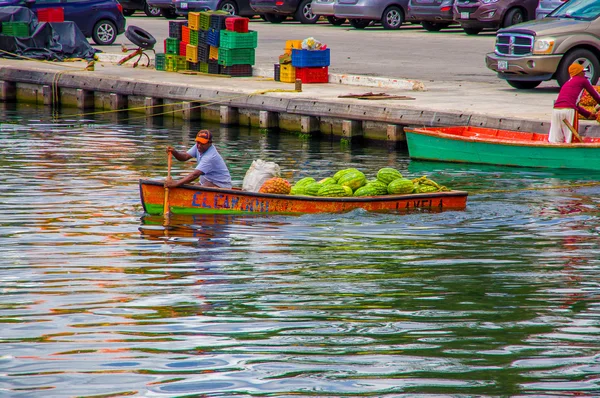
(213, 37)
(310, 59)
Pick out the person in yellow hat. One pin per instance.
(211, 167)
(566, 106)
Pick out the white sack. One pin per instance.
(259, 172)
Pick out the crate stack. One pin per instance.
(55, 14)
(237, 47)
(210, 24)
(284, 71)
(173, 58)
(311, 66)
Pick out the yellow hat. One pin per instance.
(575, 69)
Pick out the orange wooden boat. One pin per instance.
(468, 144)
(195, 199)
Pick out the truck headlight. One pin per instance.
(543, 46)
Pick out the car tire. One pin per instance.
(151, 11)
(392, 18)
(335, 21)
(360, 23)
(304, 13)
(584, 57)
(523, 85)
(275, 18)
(104, 32)
(168, 13)
(472, 31)
(127, 12)
(434, 26)
(140, 37)
(513, 17)
(229, 6)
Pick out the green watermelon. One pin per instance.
(379, 187)
(367, 190)
(332, 190)
(304, 182)
(387, 175)
(348, 190)
(340, 173)
(312, 188)
(327, 181)
(353, 179)
(400, 186)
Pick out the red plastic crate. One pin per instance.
(313, 75)
(237, 24)
(185, 34)
(182, 48)
(56, 14)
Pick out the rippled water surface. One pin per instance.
(97, 299)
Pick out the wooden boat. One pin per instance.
(467, 144)
(195, 199)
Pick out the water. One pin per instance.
(99, 300)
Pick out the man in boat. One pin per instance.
(567, 105)
(211, 167)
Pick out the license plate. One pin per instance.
(184, 6)
(502, 65)
(464, 15)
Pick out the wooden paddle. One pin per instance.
(575, 133)
(166, 206)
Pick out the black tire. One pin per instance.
(229, 6)
(275, 18)
(104, 33)
(127, 12)
(472, 31)
(360, 23)
(521, 85)
(392, 18)
(151, 11)
(434, 26)
(513, 17)
(584, 57)
(335, 21)
(140, 37)
(168, 13)
(304, 13)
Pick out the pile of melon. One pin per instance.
(588, 102)
(352, 182)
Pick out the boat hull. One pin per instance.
(507, 149)
(190, 199)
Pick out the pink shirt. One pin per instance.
(571, 93)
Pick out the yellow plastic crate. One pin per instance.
(213, 53)
(287, 73)
(191, 53)
(289, 44)
(194, 20)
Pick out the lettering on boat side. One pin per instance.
(224, 201)
(425, 203)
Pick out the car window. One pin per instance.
(578, 9)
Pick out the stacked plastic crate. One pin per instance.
(174, 58)
(237, 47)
(284, 71)
(311, 66)
(211, 24)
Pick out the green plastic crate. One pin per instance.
(171, 63)
(232, 40)
(16, 29)
(172, 46)
(181, 63)
(203, 67)
(238, 56)
(160, 62)
(194, 37)
(205, 20)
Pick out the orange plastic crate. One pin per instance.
(213, 53)
(289, 44)
(185, 34)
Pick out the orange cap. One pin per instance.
(204, 137)
(575, 69)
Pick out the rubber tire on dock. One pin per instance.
(140, 37)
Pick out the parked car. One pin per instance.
(131, 6)
(434, 15)
(102, 20)
(277, 11)
(325, 8)
(167, 7)
(540, 50)
(546, 7)
(476, 15)
(361, 13)
(234, 7)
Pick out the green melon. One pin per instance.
(400, 186)
(387, 175)
(340, 173)
(367, 190)
(327, 181)
(353, 179)
(332, 190)
(348, 190)
(312, 189)
(379, 187)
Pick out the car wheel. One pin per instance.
(104, 33)
(304, 13)
(168, 13)
(586, 58)
(513, 17)
(434, 26)
(521, 85)
(360, 23)
(335, 21)
(392, 18)
(472, 31)
(140, 37)
(275, 18)
(127, 12)
(151, 11)
(229, 6)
